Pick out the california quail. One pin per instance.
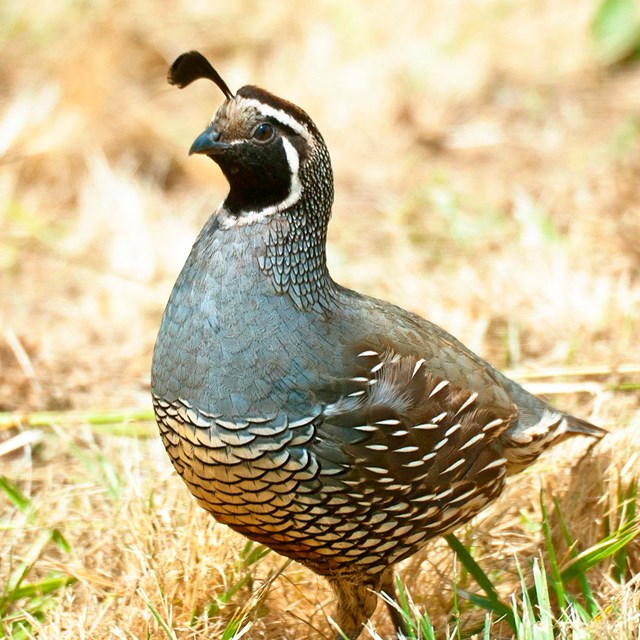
(339, 430)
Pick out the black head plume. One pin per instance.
(191, 66)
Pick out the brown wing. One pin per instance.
(406, 455)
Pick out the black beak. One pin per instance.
(208, 143)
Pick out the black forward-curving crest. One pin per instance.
(191, 66)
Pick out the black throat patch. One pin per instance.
(258, 178)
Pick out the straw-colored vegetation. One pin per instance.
(488, 177)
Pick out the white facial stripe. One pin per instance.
(281, 116)
(295, 191)
(294, 163)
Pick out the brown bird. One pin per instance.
(339, 430)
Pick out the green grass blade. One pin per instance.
(137, 423)
(581, 612)
(615, 30)
(250, 555)
(600, 551)
(15, 495)
(425, 627)
(214, 607)
(545, 615)
(456, 607)
(587, 593)
(15, 588)
(496, 605)
(99, 468)
(553, 564)
(253, 553)
(233, 631)
(476, 599)
(159, 619)
(18, 575)
(627, 512)
(60, 540)
(524, 624)
(43, 587)
(418, 624)
(403, 603)
(234, 628)
(341, 634)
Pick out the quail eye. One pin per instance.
(263, 132)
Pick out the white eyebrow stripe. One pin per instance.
(277, 114)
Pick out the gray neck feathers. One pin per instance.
(295, 252)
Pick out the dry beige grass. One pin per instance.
(487, 178)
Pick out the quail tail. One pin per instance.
(582, 427)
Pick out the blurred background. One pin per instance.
(485, 152)
(487, 165)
